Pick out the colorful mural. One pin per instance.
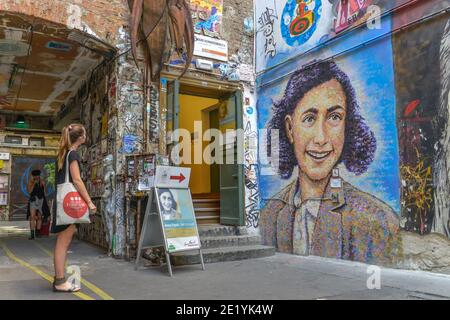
(350, 12)
(207, 16)
(332, 118)
(357, 130)
(288, 28)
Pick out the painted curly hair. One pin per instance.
(360, 143)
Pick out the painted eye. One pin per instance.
(335, 117)
(309, 119)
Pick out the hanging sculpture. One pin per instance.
(152, 19)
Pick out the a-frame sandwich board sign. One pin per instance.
(169, 216)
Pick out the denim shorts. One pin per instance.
(37, 204)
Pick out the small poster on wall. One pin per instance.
(4, 182)
(3, 198)
(146, 182)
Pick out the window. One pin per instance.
(36, 142)
(13, 139)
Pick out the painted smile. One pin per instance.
(318, 155)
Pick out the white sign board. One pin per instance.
(211, 48)
(4, 156)
(172, 177)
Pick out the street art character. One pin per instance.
(208, 23)
(319, 213)
(299, 20)
(304, 19)
(349, 12)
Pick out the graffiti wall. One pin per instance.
(422, 113)
(252, 191)
(353, 135)
(287, 28)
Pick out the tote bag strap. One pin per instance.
(66, 179)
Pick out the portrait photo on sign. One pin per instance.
(168, 204)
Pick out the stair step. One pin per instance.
(229, 241)
(210, 209)
(217, 230)
(206, 220)
(205, 200)
(206, 204)
(205, 196)
(222, 254)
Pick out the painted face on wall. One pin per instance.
(166, 201)
(317, 129)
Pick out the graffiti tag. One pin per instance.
(266, 22)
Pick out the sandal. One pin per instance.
(57, 282)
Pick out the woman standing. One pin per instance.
(36, 189)
(72, 137)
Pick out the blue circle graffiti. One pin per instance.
(299, 20)
(24, 182)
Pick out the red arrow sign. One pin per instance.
(180, 178)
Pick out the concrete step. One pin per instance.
(217, 230)
(229, 241)
(222, 254)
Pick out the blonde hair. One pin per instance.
(69, 135)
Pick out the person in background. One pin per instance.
(37, 204)
(72, 137)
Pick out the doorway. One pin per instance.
(217, 188)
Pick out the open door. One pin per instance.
(231, 173)
(173, 109)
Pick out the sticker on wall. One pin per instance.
(61, 46)
(299, 20)
(129, 143)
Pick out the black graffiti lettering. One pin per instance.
(266, 22)
(154, 115)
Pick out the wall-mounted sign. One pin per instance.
(211, 48)
(4, 156)
(172, 177)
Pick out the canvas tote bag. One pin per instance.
(70, 206)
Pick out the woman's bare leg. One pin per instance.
(38, 220)
(62, 245)
(32, 219)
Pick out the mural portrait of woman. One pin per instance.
(319, 213)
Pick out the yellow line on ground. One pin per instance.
(38, 271)
(102, 294)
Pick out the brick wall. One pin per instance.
(103, 18)
(240, 43)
